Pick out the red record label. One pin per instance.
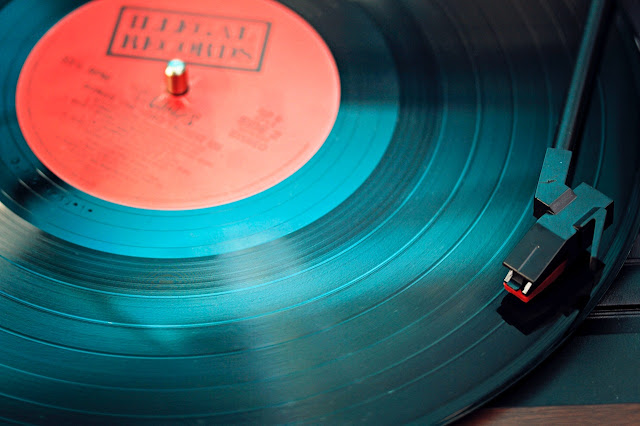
(93, 105)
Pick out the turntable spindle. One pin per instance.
(177, 77)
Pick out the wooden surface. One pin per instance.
(617, 414)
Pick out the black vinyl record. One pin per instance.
(379, 301)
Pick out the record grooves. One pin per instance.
(363, 288)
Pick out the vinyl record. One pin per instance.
(363, 286)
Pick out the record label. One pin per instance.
(92, 103)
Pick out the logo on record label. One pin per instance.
(210, 41)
